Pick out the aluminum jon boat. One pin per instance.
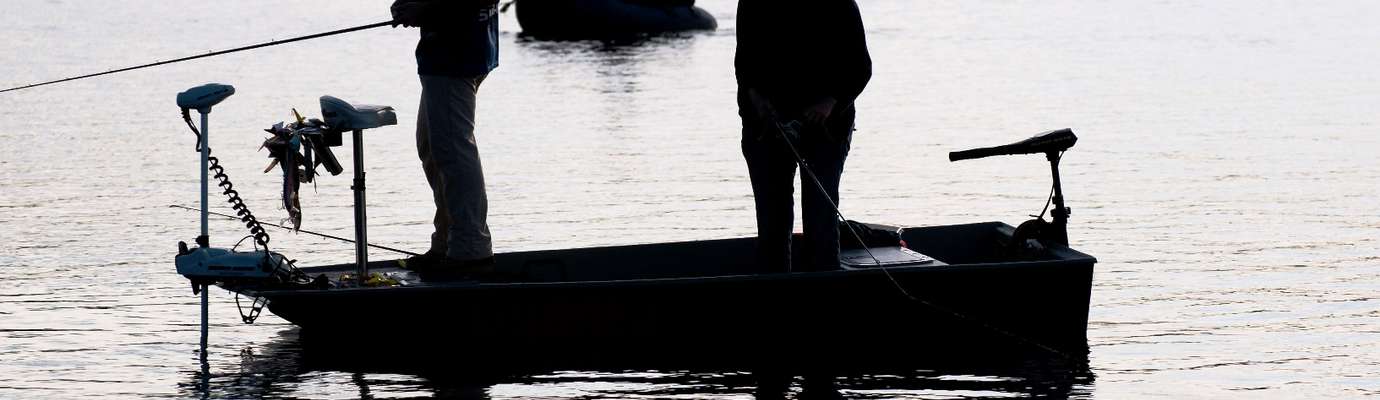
(967, 288)
(707, 294)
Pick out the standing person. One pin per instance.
(457, 50)
(805, 61)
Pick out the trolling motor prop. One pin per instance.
(1036, 234)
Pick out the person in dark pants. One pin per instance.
(457, 50)
(804, 61)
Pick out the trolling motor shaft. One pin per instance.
(201, 99)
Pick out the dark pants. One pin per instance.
(772, 169)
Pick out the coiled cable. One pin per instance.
(256, 229)
(233, 197)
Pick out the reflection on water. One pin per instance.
(1225, 178)
(292, 367)
(616, 78)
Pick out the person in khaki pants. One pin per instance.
(457, 50)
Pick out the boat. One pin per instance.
(972, 288)
(609, 19)
(707, 295)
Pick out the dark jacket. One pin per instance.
(797, 51)
(459, 38)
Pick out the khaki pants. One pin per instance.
(450, 158)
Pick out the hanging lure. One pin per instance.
(297, 149)
(283, 147)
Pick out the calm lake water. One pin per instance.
(1226, 179)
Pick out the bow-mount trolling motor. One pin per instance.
(1036, 235)
(205, 265)
(253, 271)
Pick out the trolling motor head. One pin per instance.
(201, 98)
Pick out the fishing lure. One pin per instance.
(297, 149)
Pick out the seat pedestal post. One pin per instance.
(361, 228)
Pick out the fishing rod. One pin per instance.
(211, 54)
(300, 230)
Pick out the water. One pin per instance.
(1225, 178)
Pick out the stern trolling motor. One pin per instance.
(1043, 234)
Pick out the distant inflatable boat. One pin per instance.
(609, 19)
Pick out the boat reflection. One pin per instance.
(293, 366)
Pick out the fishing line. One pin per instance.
(791, 129)
(210, 54)
(299, 230)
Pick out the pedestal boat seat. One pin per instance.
(343, 116)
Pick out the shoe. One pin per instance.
(428, 260)
(451, 269)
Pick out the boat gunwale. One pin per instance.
(1074, 258)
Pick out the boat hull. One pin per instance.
(698, 297)
(607, 19)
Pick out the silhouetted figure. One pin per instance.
(806, 61)
(457, 50)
